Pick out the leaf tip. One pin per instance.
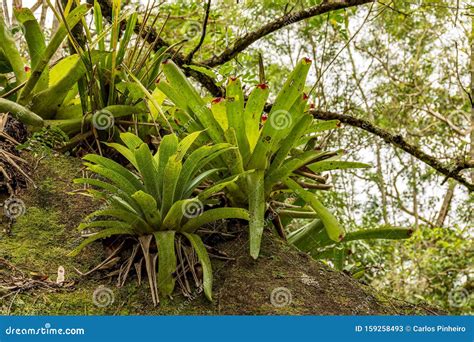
(217, 100)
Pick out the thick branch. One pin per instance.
(450, 171)
(244, 42)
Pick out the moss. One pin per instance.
(39, 243)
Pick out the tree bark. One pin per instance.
(443, 211)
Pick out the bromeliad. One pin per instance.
(274, 148)
(160, 201)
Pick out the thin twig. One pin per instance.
(189, 58)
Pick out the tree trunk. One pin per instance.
(443, 211)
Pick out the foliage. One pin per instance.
(433, 266)
(273, 154)
(158, 202)
(101, 81)
(35, 97)
(45, 141)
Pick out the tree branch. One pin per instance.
(189, 57)
(450, 171)
(244, 42)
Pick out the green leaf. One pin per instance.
(203, 257)
(185, 144)
(214, 215)
(191, 100)
(339, 257)
(63, 67)
(305, 238)
(126, 36)
(78, 122)
(127, 216)
(290, 165)
(333, 229)
(168, 147)
(116, 167)
(257, 210)
(5, 66)
(114, 190)
(20, 113)
(72, 19)
(235, 159)
(166, 261)
(321, 126)
(175, 215)
(99, 24)
(11, 51)
(120, 181)
(124, 151)
(289, 142)
(101, 235)
(149, 208)
(170, 181)
(148, 170)
(150, 98)
(197, 160)
(34, 38)
(217, 187)
(130, 140)
(280, 117)
(235, 115)
(219, 111)
(253, 113)
(199, 179)
(104, 224)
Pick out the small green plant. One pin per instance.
(279, 157)
(45, 141)
(164, 200)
